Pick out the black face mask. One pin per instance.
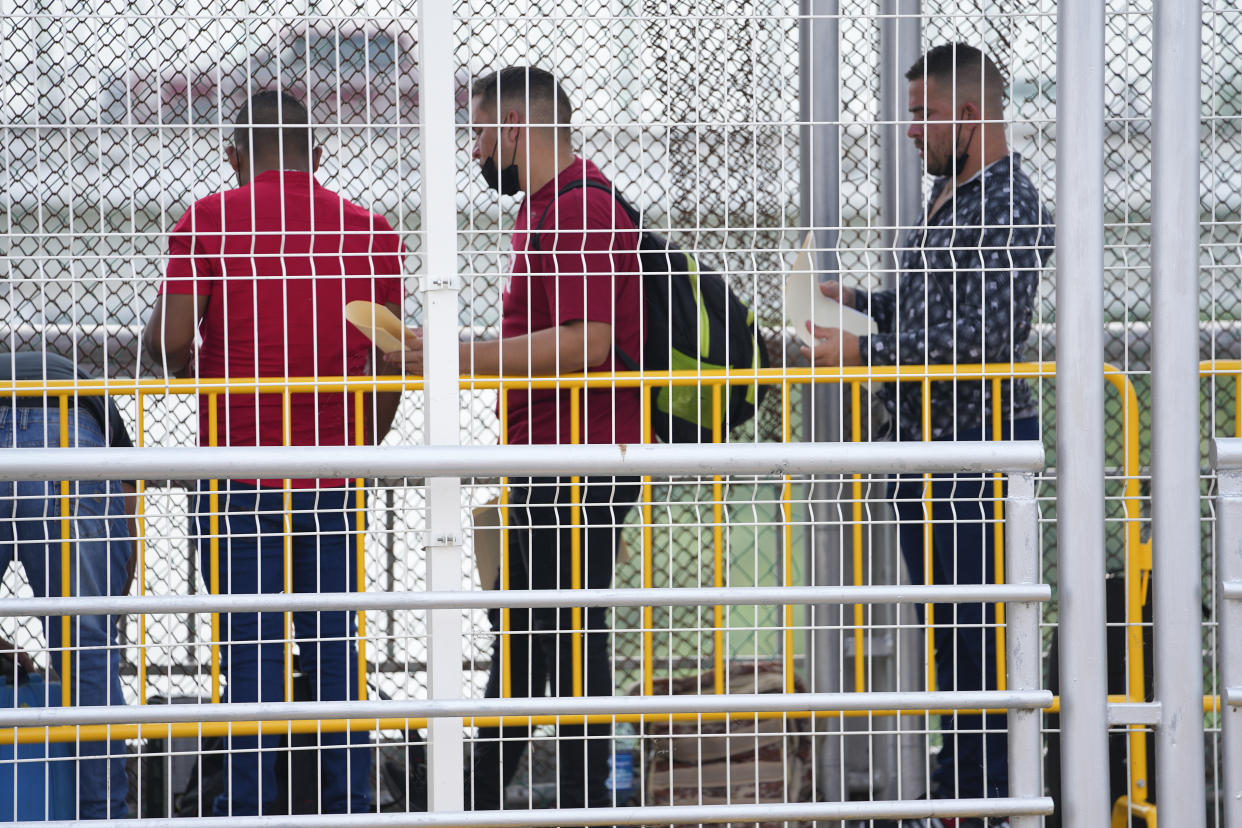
(505, 181)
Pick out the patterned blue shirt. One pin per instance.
(966, 290)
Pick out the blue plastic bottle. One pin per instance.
(621, 778)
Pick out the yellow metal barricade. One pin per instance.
(1138, 565)
(1137, 803)
(1137, 556)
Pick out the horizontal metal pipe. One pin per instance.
(1134, 713)
(619, 379)
(1233, 696)
(1131, 341)
(33, 734)
(585, 705)
(1226, 453)
(1211, 704)
(764, 459)
(473, 599)
(788, 375)
(1132, 338)
(641, 815)
(1231, 590)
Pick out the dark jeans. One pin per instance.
(541, 649)
(30, 532)
(323, 526)
(971, 763)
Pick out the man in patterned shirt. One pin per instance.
(965, 293)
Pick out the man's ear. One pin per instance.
(238, 162)
(970, 113)
(509, 126)
(316, 156)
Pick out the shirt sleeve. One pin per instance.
(591, 243)
(191, 269)
(980, 308)
(880, 305)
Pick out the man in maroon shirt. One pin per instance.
(262, 273)
(572, 303)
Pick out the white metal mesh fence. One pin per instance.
(115, 117)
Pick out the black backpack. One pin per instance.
(694, 322)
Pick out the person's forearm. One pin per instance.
(385, 406)
(171, 350)
(885, 348)
(184, 361)
(943, 344)
(515, 355)
(546, 353)
(174, 359)
(129, 499)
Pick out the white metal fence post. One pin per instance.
(819, 102)
(901, 170)
(445, 675)
(901, 179)
(1022, 642)
(1175, 411)
(1080, 412)
(819, 77)
(1229, 617)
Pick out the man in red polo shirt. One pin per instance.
(263, 273)
(572, 304)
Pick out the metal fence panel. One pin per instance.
(716, 121)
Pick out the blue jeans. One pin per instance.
(323, 527)
(30, 531)
(972, 763)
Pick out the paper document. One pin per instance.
(804, 302)
(378, 323)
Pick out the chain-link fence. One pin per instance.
(115, 116)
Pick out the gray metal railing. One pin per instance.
(1023, 697)
(1227, 462)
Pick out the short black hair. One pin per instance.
(974, 74)
(291, 128)
(518, 85)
